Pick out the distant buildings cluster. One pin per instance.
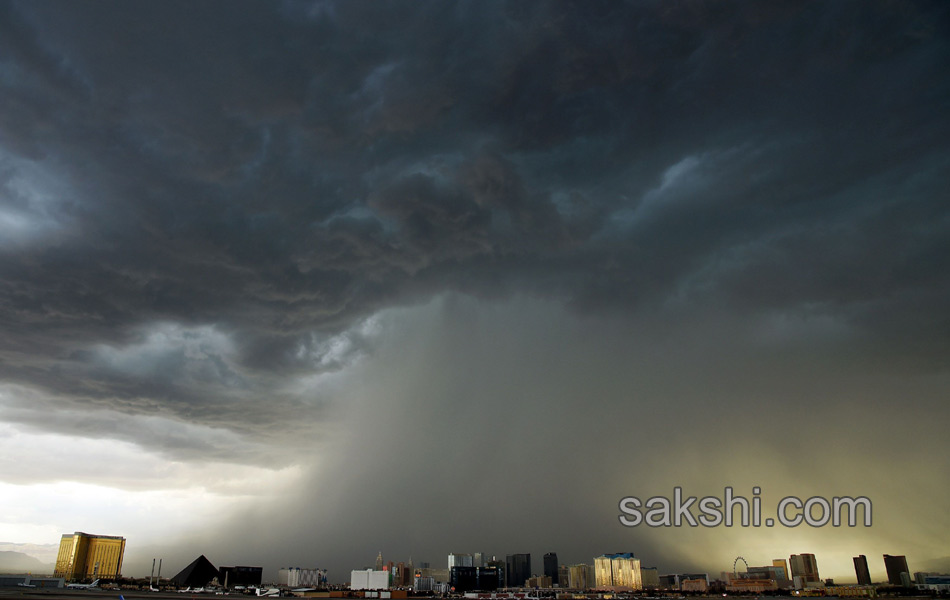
(87, 557)
(621, 572)
(469, 572)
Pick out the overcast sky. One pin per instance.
(293, 283)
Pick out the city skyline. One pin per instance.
(323, 279)
(804, 565)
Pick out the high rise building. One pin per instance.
(461, 560)
(502, 568)
(781, 562)
(400, 575)
(804, 566)
(618, 570)
(650, 577)
(895, 565)
(550, 567)
(563, 576)
(296, 577)
(84, 556)
(861, 570)
(581, 577)
(518, 569)
(379, 561)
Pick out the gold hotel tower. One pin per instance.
(83, 556)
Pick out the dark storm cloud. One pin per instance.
(202, 206)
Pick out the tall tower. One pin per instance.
(550, 567)
(895, 565)
(379, 561)
(620, 570)
(461, 560)
(804, 566)
(85, 556)
(518, 569)
(861, 570)
(781, 562)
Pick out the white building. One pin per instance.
(297, 577)
(369, 580)
(423, 584)
(461, 560)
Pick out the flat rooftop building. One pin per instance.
(83, 556)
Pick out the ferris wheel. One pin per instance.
(735, 565)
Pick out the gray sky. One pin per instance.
(295, 283)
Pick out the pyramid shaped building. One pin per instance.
(198, 574)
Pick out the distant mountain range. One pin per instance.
(17, 562)
(44, 552)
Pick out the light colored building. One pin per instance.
(698, 582)
(461, 560)
(369, 579)
(423, 584)
(781, 562)
(84, 556)
(694, 585)
(297, 577)
(618, 571)
(539, 581)
(854, 591)
(580, 577)
(650, 578)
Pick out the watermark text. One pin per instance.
(713, 511)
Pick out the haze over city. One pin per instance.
(295, 283)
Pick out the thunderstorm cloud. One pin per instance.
(299, 282)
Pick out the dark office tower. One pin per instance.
(519, 569)
(861, 570)
(463, 579)
(895, 565)
(467, 579)
(502, 568)
(550, 567)
(232, 576)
